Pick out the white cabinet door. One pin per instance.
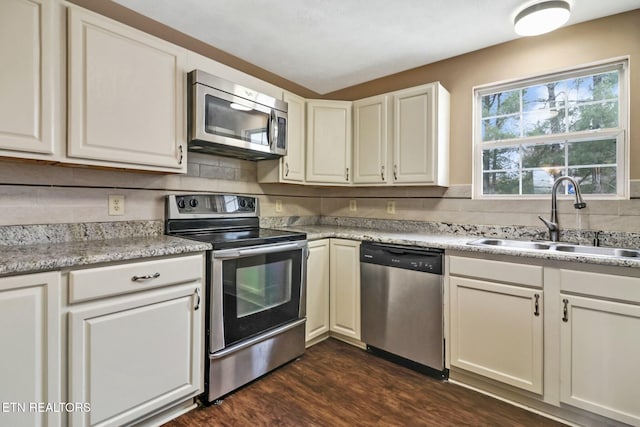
(292, 165)
(345, 288)
(130, 356)
(496, 331)
(30, 355)
(370, 140)
(289, 168)
(30, 88)
(421, 135)
(328, 142)
(126, 96)
(317, 289)
(600, 350)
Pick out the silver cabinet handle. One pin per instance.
(148, 277)
(537, 305)
(181, 154)
(395, 172)
(382, 172)
(197, 295)
(565, 310)
(286, 169)
(347, 174)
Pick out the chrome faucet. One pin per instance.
(552, 225)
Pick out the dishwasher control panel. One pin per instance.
(405, 257)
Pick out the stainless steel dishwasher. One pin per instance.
(402, 305)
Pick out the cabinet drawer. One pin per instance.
(120, 279)
(622, 288)
(528, 275)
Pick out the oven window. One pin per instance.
(260, 292)
(261, 287)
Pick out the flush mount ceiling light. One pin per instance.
(542, 17)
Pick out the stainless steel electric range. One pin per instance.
(256, 283)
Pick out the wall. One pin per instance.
(33, 193)
(585, 43)
(592, 41)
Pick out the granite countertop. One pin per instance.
(51, 250)
(28, 249)
(454, 242)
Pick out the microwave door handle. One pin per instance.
(272, 129)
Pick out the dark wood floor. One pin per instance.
(335, 384)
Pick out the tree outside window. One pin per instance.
(529, 134)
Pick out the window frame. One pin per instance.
(621, 133)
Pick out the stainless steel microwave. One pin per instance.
(230, 120)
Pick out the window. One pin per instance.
(530, 132)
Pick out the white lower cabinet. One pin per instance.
(317, 290)
(600, 344)
(333, 290)
(30, 353)
(496, 320)
(591, 336)
(344, 284)
(496, 331)
(136, 353)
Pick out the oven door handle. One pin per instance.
(258, 250)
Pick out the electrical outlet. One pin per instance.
(116, 204)
(391, 207)
(278, 205)
(353, 206)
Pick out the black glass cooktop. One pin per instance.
(228, 239)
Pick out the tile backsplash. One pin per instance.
(42, 194)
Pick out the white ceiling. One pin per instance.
(326, 45)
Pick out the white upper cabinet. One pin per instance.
(370, 140)
(402, 137)
(328, 142)
(126, 96)
(30, 125)
(421, 135)
(290, 168)
(292, 165)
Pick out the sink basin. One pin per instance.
(516, 244)
(596, 250)
(560, 247)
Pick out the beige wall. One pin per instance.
(593, 41)
(33, 193)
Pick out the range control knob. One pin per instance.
(251, 204)
(193, 203)
(181, 203)
(242, 203)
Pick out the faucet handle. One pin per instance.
(580, 205)
(552, 226)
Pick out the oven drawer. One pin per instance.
(101, 282)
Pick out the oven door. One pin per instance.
(254, 290)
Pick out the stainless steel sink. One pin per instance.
(560, 247)
(596, 250)
(516, 244)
